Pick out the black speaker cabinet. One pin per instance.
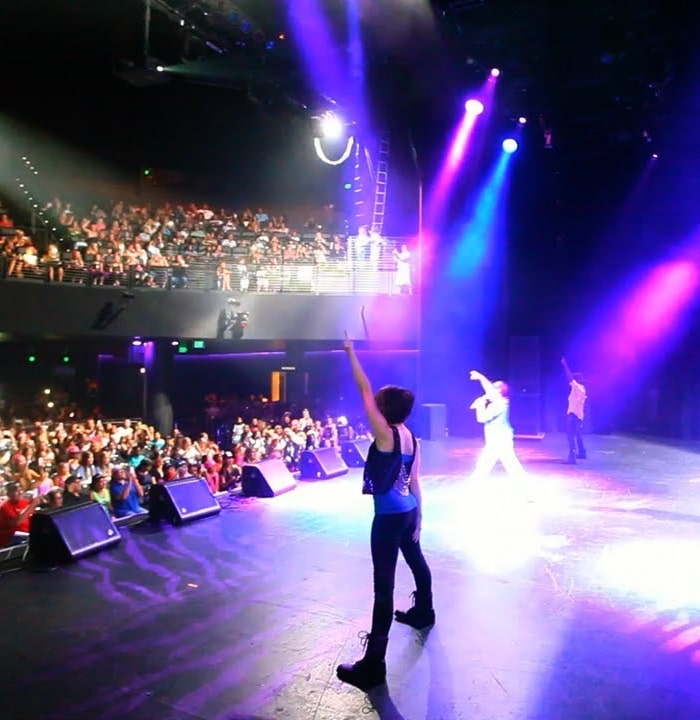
(354, 452)
(526, 415)
(432, 421)
(322, 464)
(181, 501)
(66, 534)
(266, 479)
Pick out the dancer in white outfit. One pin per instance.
(492, 409)
(402, 279)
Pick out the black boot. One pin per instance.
(571, 460)
(420, 616)
(369, 672)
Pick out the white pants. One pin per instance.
(495, 450)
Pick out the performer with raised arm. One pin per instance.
(391, 476)
(492, 411)
(574, 415)
(402, 278)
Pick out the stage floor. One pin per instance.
(577, 597)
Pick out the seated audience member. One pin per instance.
(22, 473)
(125, 492)
(73, 492)
(230, 473)
(99, 493)
(15, 513)
(54, 499)
(211, 474)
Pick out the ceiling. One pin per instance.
(602, 71)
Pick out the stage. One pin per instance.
(575, 597)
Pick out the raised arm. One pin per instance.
(380, 427)
(567, 369)
(489, 390)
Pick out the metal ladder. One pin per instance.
(358, 185)
(380, 185)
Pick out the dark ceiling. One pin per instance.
(600, 70)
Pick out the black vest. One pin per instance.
(382, 469)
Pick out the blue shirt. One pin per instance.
(128, 506)
(399, 499)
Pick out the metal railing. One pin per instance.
(331, 278)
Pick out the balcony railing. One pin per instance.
(335, 277)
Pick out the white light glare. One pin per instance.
(474, 107)
(510, 145)
(332, 127)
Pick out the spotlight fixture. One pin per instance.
(522, 120)
(474, 107)
(495, 72)
(510, 145)
(332, 127)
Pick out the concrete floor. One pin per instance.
(576, 597)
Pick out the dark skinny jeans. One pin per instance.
(391, 533)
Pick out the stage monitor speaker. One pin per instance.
(180, 501)
(322, 464)
(69, 533)
(432, 421)
(526, 415)
(354, 452)
(267, 479)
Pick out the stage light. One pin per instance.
(332, 127)
(654, 155)
(495, 72)
(347, 186)
(66, 358)
(136, 342)
(522, 120)
(474, 107)
(344, 155)
(32, 358)
(160, 68)
(510, 145)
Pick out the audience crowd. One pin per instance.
(141, 245)
(48, 465)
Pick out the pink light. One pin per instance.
(474, 107)
(495, 72)
(648, 319)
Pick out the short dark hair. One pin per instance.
(395, 403)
